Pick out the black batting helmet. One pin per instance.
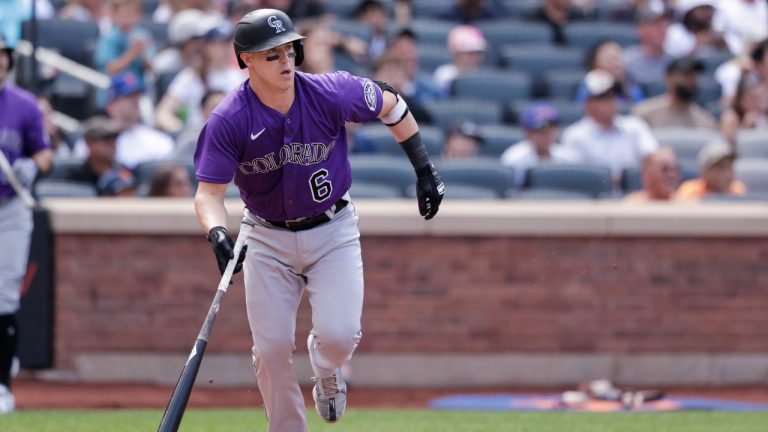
(8, 49)
(265, 29)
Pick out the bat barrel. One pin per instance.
(178, 403)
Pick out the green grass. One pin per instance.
(366, 420)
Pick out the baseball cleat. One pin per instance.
(330, 395)
(7, 402)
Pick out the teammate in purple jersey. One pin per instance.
(281, 136)
(24, 143)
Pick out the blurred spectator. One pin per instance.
(677, 107)
(695, 34)
(557, 14)
(127, 46)
(87, 11)
(321, 44)
(646, 62)
(606, 55)
(61, 144)
(14, 12)
(180, 105)
(749, 109)
(469, 11)
(467, 47)
(186, 144)
(374, 14)
(418, 87)
(185, 37)
(167, 9)
(603, 137)
(660, 175)
(100, 168)
(137, 142)
(742, 21)
(170, 181)
(540, 147)
(296, 9)
(463, 141)
(390, 69)
(716, 167)
(729, 73)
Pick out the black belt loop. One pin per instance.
(311, 222)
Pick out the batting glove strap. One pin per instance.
(25, 170)
(429, 190)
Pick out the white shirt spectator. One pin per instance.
(742, 21)
(621, 147)
(141, 143)
(522, 156)
(188, 89)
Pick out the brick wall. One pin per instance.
(435, 295)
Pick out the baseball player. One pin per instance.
(281, 134)
(24, 143)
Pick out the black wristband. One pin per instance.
(416, 151)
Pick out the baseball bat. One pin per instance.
(21, 191)
(178, 403)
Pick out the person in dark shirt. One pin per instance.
(557, 13)
(100, 168)
(469, 11)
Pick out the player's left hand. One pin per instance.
(429, 190)
(25, 170)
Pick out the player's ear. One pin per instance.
(246, 58)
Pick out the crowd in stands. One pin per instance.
(641, 100)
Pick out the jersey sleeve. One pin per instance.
(360, 98)
(35, 137)
(217, 153)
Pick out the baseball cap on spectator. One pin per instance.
(466, 38)
(538, 115)
(713, 153)
(100, 128)
(684, 65)
(185, 25)
(124, 84)
(114, 182)
(600, 83)
(218, 29)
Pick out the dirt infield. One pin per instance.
(32, 393)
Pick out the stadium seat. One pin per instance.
(547, 195)
(752, 143)
(62, 167)
(568, 111)
(430, 8)
(686, 142)
(486, 173)
(503, 32)
(159, 32)
(497, 138)
(144, 171)
(562, 84)
(361, 189)
(584, 35)
(592, 180)
(631, 179)
(431, 56)
(446, 113)
(389, 171)
(75, 40)
(492, 85)
(535, 60)
(754, 174)
(64, 189)
(709, 90)
(519, 9)
(349, 27)
(428, 30)
(342, 8)
(379, 139)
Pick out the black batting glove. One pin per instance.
(429, 190)
(223, 248)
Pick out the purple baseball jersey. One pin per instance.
(22, 133)
(287, 166)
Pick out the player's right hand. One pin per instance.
(429, 190)
(25, 170)
(223, 248)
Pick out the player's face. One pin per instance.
(275, 66)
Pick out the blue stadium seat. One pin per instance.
(562, 84)
(535, 60)
(595, 181)
(492, 85)
(752, 143)
(158, 30)
(754, 173)
(568, 111)
(341, 8)
(395, 172)
(379, 139)
(431, 56)
(349, 27)
(487, 173)
(64, 189)
(498, 138)
(686, 142)
(75, 40)
(428, 30)
(446, 113)
(547, 195)
(430, 8)
(361, 189)
(62, 167)
(144, 171)
(586, 34)
(631, 179)
(503, 32)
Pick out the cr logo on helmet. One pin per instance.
(276, 24)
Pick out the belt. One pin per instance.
(302, 224)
